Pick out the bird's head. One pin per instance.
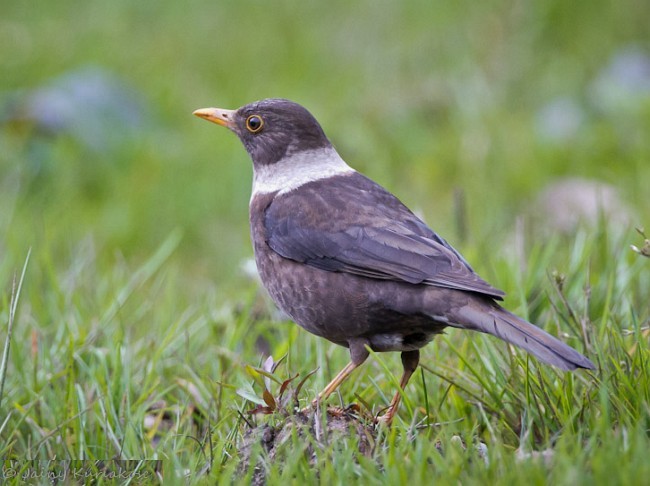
(270, 129)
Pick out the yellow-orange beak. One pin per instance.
(225, 118)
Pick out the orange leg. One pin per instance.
(334, 384)
(410, 360)
(359, 354)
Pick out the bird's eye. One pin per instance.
(254, 123)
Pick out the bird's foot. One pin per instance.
(353, 408)
(310, 408)
(387, 418)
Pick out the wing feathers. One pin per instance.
(380, 238)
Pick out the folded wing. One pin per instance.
(351, 224)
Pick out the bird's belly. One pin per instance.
(318, 303)
(341, 306)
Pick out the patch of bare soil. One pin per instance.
(319, 432)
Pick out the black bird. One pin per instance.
(347, 261)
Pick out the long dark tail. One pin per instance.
(492, 319)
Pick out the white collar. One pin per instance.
(299, 169)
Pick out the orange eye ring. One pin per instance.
(254, 123)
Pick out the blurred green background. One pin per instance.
(497, 98)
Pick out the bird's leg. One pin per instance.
(410, 360)
(334, 384)
(358, 354)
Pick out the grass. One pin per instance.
(135, 332)
(84, 388)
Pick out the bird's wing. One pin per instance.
(351, 224)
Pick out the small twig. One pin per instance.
(241, 416)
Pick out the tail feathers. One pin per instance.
(499, 322)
